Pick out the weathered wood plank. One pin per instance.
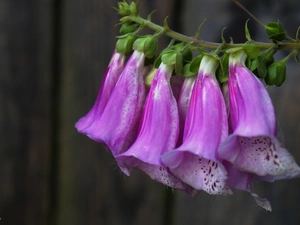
(25, 99)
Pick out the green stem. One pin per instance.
(248, 12)
(206, 44)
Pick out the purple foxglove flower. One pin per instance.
(108, 83)
(183, 104)
(158, 132)
(253, 145)
(118, 125)
(243, 181)
(196, 161)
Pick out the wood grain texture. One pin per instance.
(25, 99)
(50, 71)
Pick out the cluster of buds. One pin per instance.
(191, 124)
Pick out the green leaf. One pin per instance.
(247, 33)
(222, 36)
(199, 28)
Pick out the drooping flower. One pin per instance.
(158, 132)
(108, 83)
(253, 146)
(196, 161)
(118, 125)
(183, 104)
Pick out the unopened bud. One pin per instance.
(276, 74)
(276, 31)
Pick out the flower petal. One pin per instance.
(109, 81)
(117, 127)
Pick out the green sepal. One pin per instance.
(123, 8)
(186, 72)
(247, 33)
(199, 28)
(150, 47)
(297, 34)
(124, 44)
(222, 37)
(173, 58)
(276, 74)
(169, 58)
(276, 31)
(222, 71)
(134, 9)
(231, 50)
(146, 44)
(185, 50)
(259, 66)
(252, 50)
(296, 57)
(178, 63)
(195, 64)
(128, 27)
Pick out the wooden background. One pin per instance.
(52, 57)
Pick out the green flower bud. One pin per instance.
(128, 28)
(150, 47)
(124, 45)
(134, 8)
(186, 52)
(259, 65)
(276, 74)
(123, 8)
(146, 44)
(276, 31)
(173, 58)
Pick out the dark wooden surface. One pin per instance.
(53, 54)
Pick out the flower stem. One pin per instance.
(248, 12)
(205, 44)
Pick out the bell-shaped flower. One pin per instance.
(108, 83)
(118, 125)
(253, 146)
(196, 161)
(183, 102)
(158, 132)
